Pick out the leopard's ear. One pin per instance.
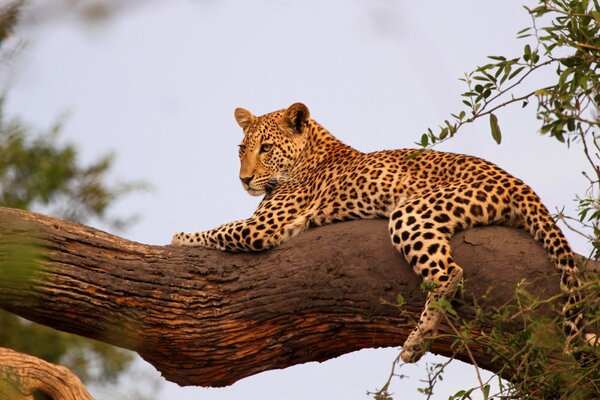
(243, 117)
(297, 116)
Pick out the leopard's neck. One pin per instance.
(320, 145)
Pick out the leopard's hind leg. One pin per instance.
(421, 230)
(422, 236)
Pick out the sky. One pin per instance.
(157, 83)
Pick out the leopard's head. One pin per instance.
(271, 146)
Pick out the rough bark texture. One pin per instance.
(209, 318)
(22, 376)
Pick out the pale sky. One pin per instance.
(158, 83)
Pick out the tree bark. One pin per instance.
(209, 318)
(22, 376)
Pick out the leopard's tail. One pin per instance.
(539, 222)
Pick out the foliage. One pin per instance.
(39, 172)
(534, 364)
(42, 173)
(534, 360)
(90, 360)
(8, 18)
(564, 36)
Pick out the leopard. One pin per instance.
(309, 178)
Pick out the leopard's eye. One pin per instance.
(265, 147)
(242, 148)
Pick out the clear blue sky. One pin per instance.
(157, 84)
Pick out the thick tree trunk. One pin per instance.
(23, 377)
(209, 318)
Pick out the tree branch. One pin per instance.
(210, 318)
(23, 376)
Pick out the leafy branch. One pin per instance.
(564, 36)
(535, 365)
(570, 44)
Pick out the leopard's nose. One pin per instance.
(246, 179)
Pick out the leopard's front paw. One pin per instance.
(413, 348)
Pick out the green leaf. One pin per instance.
(583, 214)
(515, 72)
(526, 52)
(443, 133)
(399, 299)
(559, 136)
(486, 391)
(496, 134)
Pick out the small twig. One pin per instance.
(386, 385)
(432, 380)
(564, 219)
(586, 151)
(587, 46)
(469, 354)
(513, 100)
(518, 82)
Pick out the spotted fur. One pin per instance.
(310, 178)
